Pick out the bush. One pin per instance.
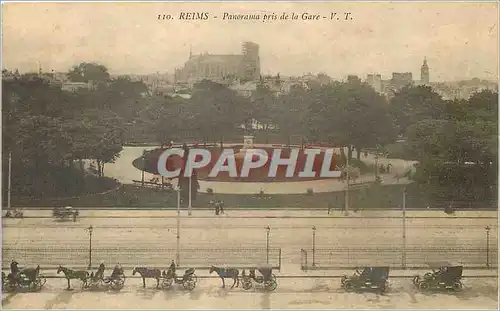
(310, 191)
(210, 191)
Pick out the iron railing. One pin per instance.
(200, 258)
(415, 257)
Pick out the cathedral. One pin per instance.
(245, 66)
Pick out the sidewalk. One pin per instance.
(257, 213)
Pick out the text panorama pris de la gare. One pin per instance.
(265, 17)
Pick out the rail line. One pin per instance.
(297, 277)
(264, 217)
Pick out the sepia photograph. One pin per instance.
(250, 155)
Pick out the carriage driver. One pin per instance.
(172, 269)
(14, 269)
(100, 270)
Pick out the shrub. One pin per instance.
(210, 191)
(310, 191)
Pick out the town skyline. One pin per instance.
(50, 36)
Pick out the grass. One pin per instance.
(374, 197)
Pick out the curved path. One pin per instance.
(125, 172)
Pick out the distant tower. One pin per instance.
(250, 66)
(190, 51)
(424, 73)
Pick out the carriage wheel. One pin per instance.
(167, 283)
(457, 286)
(424, 286)
(246, 283)
(189, 284)
(38, 283)
(271, 285)
(348, 286)
(8, 287)
(117, 283)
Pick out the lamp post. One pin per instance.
(90, 229)
(268, 231)
(488, 228)
(314, 246)
(178, 256)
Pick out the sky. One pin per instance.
(459, 40)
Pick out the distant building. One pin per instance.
(353, 78)
(221, 67)
(375, 81)
(401, 79)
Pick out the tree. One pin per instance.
(89, 72)
(415, 103)
(458, 151)
(215, 110)
(292, 112)
(350, 114)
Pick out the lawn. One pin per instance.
(142, 197)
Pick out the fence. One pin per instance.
(128, 257)
(394, 257)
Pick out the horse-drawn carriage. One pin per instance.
(115, 281)
(447, 277)
(370, 278)
(27, 278)
(188, 280)
(267, 279)
(65, 213)
(14, 213)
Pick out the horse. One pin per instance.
(152, 273)
(73, 274)
(229, 273)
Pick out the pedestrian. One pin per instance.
(221, 206)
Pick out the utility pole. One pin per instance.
(143, 167)
(178, 256)
(346, 208)
(488, 228)
(90, 229)
(403, 255)
(190, 194)
(9, 206)
(268, 231)
(314, 246)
